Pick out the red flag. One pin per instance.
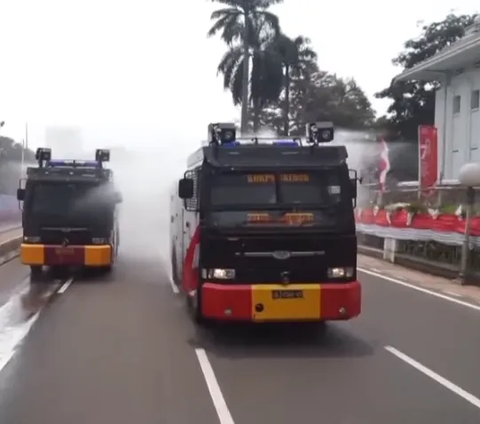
(384, 164)
(428, 153)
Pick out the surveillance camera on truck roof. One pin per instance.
(224, 149)
(224, 134)
(49, 168)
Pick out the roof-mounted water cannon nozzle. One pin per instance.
(319, 132)
(42, 155)
(221, 133)
(102, 155)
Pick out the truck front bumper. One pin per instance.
(280, 303)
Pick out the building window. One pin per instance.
(456, 104)
(475, 100)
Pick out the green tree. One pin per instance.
(325, 97)
(295, 57)
(413, 102)
(266, 76)
(10, 158)
(238, 24)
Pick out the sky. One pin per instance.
(143, 72)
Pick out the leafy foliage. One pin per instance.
(320, 97)
(413, 102)
(285, 87)
(246, 24)
(10, 159)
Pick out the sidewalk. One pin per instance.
(417, 278)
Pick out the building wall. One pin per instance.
(462, 127)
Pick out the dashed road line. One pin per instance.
(214, 388)
(65, 286)
(434, 376)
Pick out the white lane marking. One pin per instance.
(215, 393)
(434, 376)
(420, 289)
(65, 286)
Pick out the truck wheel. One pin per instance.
(36, 274)
(106, 269)
(194, 309)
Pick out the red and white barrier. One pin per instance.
(403, 225)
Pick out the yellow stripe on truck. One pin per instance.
(98, 255)
(32, 254)
(276, 302)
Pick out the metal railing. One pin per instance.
(449, 192)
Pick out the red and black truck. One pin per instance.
(263, 230)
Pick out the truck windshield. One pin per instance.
(74, 201)
(321, 187)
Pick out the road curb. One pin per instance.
(10, 249)
(8, 228)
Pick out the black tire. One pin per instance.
(36, 274)
(106, 269)
(194, 309)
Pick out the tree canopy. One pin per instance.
(10, 159)
(413, 102)
(283, 89)
(245, 24)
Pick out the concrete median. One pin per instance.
(10, 242)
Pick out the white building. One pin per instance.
(457, 102)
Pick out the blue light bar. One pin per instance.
(286, 143)
(231, 144)
(73, 163)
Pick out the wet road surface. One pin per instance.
(121, 349)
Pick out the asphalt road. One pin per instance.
(122, 350)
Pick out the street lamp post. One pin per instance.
(469, 177)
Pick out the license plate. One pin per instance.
(287, 294)
(64, 251)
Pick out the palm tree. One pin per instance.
(266, 79)
(238, 23)
(296, 57)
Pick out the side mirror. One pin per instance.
(353, 182)
(117, 197)
(185, 188)
(20, 194)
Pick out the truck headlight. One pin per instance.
(221, 274)
(30, 239)
(346, 272)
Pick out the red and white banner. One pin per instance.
(402, 225)
(428, 158)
